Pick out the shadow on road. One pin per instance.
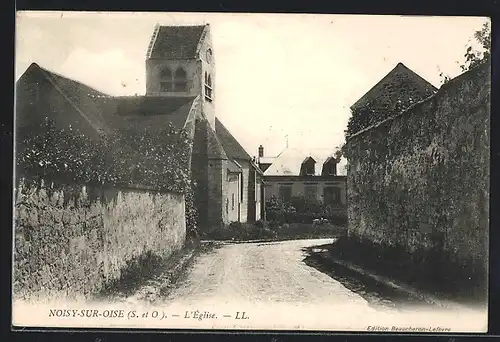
(376, 293)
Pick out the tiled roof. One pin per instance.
(398, 77)
(78, 94)
(109, 113)
(176, 42)
(151, 112)
(232, 147)
(289, 162)
(266, 160)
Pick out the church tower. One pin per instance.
(180, 63)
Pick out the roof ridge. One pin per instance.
(153, 40)
(386, 76)
(53, 73)
(231, 137)
(49, 76)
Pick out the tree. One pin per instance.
(474, 57)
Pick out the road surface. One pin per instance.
(268, 272)
(275, 289)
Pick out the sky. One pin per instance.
(281, 78)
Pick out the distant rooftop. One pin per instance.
(289, 162)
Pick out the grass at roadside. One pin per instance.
(151, 268)
(264, 231)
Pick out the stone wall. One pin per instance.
(71, 240)
(421, 179)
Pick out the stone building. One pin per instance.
(310, 173)
(180, 90)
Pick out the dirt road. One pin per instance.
(271, 286)
(262, 272)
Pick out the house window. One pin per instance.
(208, 87)
(227, 206)
(331, 195)
(173, 82)
(232, 201)
(332, 169)
(329, 167)
(285, 193)
(308, 167)
(311, 192)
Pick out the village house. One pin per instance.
(180, 90)
(308, 173)
(397, 90)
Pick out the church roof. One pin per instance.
(146, 111)
(232, 147)
(79, 95)
(175, 42)
(108, 113)
(215, 149)
(392, 83)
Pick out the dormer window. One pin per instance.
(308, 167)
(208, 87)
(329, 167)
(173, 82)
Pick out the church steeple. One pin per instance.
(180, 63)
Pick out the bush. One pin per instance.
(302, 210)
(154, 159)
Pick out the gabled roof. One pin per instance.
(329, 160)
(397, 77)
(175, 42)
(79, 95)
(309, 159)
(232, 147)
(110, 113)
(289, 162)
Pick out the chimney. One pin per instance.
(261, 151)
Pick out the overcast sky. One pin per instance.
(277, 75)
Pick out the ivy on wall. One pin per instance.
(156, 159)
(393, 98)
